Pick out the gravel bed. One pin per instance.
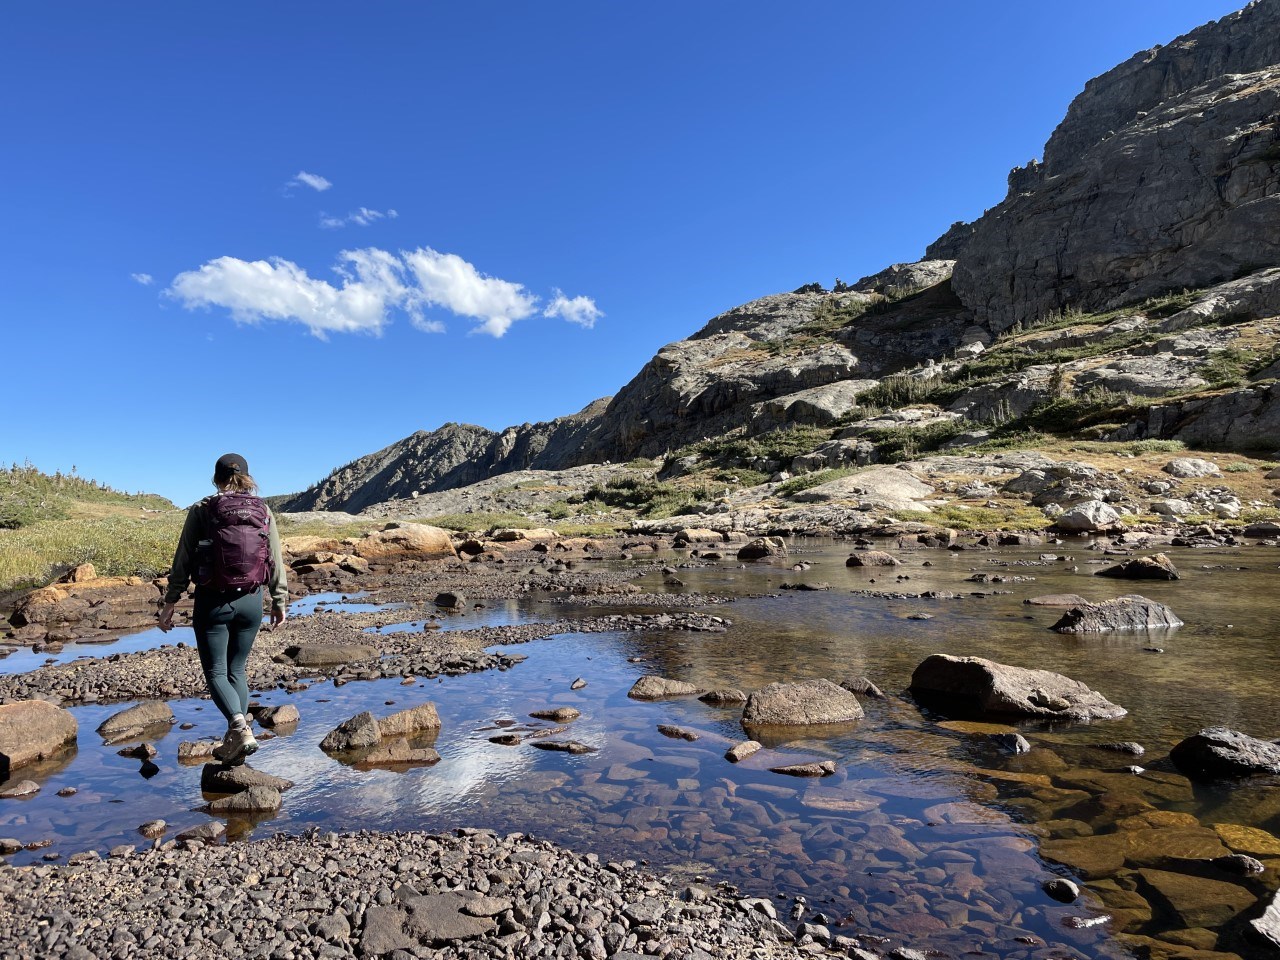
(472, 895)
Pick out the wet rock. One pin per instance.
(133, 722)
(1242, 839)
(1217, 753)
(197, 749)
(862, 687)
(557, 714)
(740, 751)
(660, 688)
(32, 730)
(9, 846)
(578, 684)
(153, 828)
(1239, 864)
(1090, 516)
(507, 739)
(723, 697)
(1267, 926)
(824, 769)
(1155, 567)
(278, 716)
(68, 792)
(762, 548)
(1123, 746)
(1061, 889)
(259, 799)
(1058, 600)
(798, 704)
(215, 778)
(1123, 613)
(329, 654)
(359, 731)
(398, 752)
(23, 788)
(676, 733)
(410, 722)
(1011, 742)
(804, 587)
(143, 751)
(564, 746)
(872, 558)
(451, 600)
(207, 832)
(1195, 901)
(997, 688)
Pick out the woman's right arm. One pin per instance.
(180, 571)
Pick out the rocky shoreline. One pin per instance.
(471, 895)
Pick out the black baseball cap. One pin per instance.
(228, 465)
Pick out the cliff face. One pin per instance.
(1165, 174)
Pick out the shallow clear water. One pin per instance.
(926, 834)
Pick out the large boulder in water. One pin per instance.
(1123, 613)
(801, 704)
(973, 683)
(762, 548)
(406, 541)
(134, 722)
(1155, 567)
(329, 654)
(32, 730)
(1216, 753)
(653, 687)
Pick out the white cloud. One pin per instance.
(446, 280)
(279, 289)
(312, 180)
(145, 279)
(580, 310)
(361, 217)
(373, 284)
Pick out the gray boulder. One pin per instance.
(1217, 753)
(872, 558)
(135, 721)
(660, 688)
(32, 730)
(1123, 613)
(801, 704)
(278, 716)
(996, 688)
(258, 799)
(215, 778)
(1189, 468)
(1091, 516)
(762, 548)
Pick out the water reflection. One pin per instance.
(927, 831)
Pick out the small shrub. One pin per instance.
(1238, 466)
(810, 480)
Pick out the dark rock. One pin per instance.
(1061, 889)
(1155, 567)
(257, 799)
(564, 746)
(676, 733)
(153, 828)
(862, 687)
(1217, 753)
(556, 714)
(724, 696)
(1123, 613)
(996, 688)
(824, 769)
(143, 751)
(1012, 742)
(359, 731)
(451, 600)
(215, 778)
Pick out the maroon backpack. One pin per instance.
(236, 551)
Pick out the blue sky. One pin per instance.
(302, 231)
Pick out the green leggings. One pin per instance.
(226, 625)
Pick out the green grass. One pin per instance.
(479, 522)
(1238, 467)
(116, 546)
(896, 444)
(28, 496)
(649, 498)
(978, 518)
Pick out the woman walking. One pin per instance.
(231, 548)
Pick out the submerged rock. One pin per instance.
(800, 704)
(997, 688)
(1217, 753)
(136, 720)
(1123, 613)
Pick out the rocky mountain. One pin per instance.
(1124, 287)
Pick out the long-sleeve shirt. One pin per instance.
(192, 530)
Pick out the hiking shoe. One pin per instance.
(236, 746)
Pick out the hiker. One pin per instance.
(231, 548)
